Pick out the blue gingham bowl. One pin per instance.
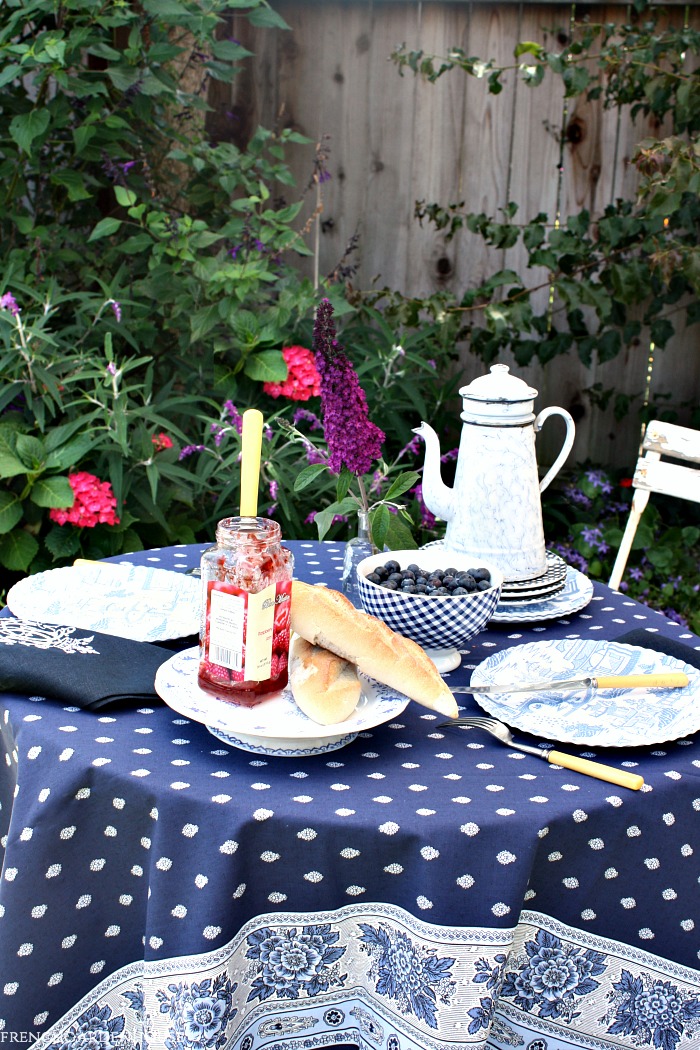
(434, 621)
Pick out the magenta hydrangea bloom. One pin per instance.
(353, 440)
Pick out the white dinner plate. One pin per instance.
(276, 726)
(130, 601)
(577, 594)
(599, 718)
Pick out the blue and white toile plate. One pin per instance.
(130, 601)
(276, 726)
(599, 718)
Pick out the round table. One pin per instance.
(415, 890)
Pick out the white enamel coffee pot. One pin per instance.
(493, 511)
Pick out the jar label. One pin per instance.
(259, 632)
(241, 628)
(226, 627)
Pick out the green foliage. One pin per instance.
(153, 275)
(132, 247)
(636, 267)
(585, 516)
(109, 180)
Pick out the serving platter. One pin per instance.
(598, 718)
(129, 601)
(276, 726)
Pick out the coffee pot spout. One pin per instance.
(438, 497)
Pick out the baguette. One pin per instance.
(325, 617)
(325, 687)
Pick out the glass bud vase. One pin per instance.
(356, 549)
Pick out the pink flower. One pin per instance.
(303, 380)
(8, 302)
(93, 503)
(161, 442)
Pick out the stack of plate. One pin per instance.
(538, 588)
(560, 591)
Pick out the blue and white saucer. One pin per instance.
(276, 726)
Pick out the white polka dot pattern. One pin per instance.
(145, 839)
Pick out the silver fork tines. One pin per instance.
(493, 726)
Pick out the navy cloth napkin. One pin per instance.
(84, 668)
(651, 640)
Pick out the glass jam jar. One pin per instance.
(246, 600)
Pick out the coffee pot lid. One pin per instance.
(500, 386)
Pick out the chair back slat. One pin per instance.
(669, 479)
(668, 439)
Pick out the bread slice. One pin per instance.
(325, 617)
(325, 687)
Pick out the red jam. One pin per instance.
(246, 600)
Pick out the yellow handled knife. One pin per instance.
(669, 680)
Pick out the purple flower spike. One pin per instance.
(116, 308)
(188, 450)
(8, 302)
(353, 440)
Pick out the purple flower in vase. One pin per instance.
(353, 440)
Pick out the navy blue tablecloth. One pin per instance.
(411, 890)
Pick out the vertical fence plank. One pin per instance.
(394, 140)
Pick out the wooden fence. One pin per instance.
(394, 140)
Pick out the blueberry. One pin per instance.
(414, 569)
(382, 572)
(484, 585)
(460, 590)
(452, 572)
(441, 590)
(408, 587)
(449, 581)
(421, 588)
(392, 566)
(467, 581)
(391, 585)
(373, 577)
(396, 577)
(407, 574)
(480, 574)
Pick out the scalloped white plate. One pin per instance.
(276, 726)
(129, 601)
(599, 718)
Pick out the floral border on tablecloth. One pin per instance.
(378, 977)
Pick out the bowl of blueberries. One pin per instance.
(430, 595)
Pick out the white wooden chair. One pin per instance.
(652, 474)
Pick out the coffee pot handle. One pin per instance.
(566, 447)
